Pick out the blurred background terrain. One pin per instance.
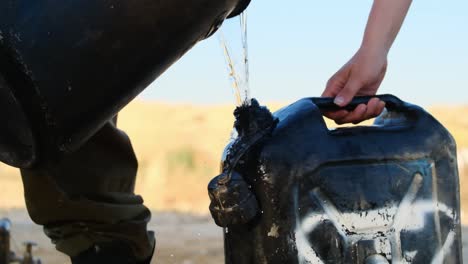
(179, 148)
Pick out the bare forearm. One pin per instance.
(385, 20)
(365, 71)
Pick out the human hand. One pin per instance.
(361, 75)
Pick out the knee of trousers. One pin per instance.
(77, 222)
(48, 203)
(88, 197)
(100, 175)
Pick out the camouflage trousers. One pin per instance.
(88, 197)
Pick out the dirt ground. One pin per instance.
(182, 239)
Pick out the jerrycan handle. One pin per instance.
(392, 103)
(407, 114)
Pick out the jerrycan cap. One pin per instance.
(233, 201)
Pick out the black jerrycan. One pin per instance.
(386, 193)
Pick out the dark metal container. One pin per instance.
(387, 193)
(68, 66)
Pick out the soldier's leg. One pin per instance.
(87, 204)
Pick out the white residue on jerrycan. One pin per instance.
(237, 61)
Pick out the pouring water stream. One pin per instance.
(238, 73)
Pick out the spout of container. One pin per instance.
(241, 6)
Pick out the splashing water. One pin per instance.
(238, 73)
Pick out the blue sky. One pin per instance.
(295, 46)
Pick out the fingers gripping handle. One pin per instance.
(392, 102)
(327, 103)
(404, 114)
